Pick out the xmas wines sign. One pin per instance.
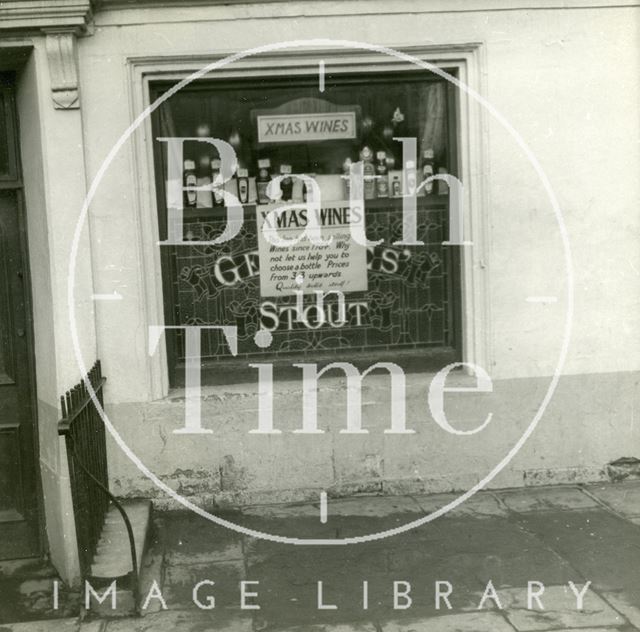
(287, 128)
(306, 120)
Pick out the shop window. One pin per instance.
(404, 304)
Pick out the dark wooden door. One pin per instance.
(19, 516)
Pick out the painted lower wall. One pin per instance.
(587, 424)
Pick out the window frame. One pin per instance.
(469, 60)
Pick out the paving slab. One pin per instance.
(181, 580)
(480, 505)
(373, 506)
(26, 593)
(623, 498)
(186, 538)
(600, 546)
(560, 610)
(547, 499)
(622, 629)
(339, 627)
(627, 605)
(184, 621)
(47, 625)
(295, 510)
(468, 622)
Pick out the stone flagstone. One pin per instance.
(471, 622)
(560, 610)
(547, 499)
(624, 498)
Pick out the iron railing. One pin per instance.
(85, 438)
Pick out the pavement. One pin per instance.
(506, 561)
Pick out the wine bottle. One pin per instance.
(190, 180)
(262, 180)
(286, 184)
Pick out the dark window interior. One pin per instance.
(412, 305)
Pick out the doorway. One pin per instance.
(20, 533)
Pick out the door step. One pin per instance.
(112, 561)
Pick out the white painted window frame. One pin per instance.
(469, 61)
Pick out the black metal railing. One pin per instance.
(85, 438)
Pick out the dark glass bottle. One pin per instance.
(382, 181)
(262, 180)
(243, 185)
(286, 184)
(428, 169)
(369, 172)
(218, 198)
(189, 180)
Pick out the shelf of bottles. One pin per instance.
(408, 302)
(384, 178)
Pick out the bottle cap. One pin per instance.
(285, 169)
(264, 163)
(381, 155)
(346, 165)
(215, 163)
(189, 165)
(428, 154)
(411, 164)
(243, 173)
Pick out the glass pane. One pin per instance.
(408, 301)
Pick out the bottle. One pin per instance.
(242, 175)
(262, 180)
(395, 184)
(409, 174)
(382, 182)
(369, 172)
(346, 177)
(190, 180)
(428, 169)
(286, 184)
(218, 198)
